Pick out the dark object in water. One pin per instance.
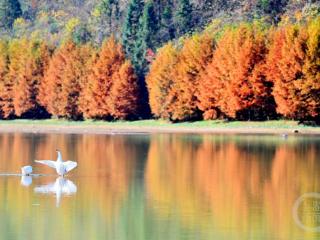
(295, 131)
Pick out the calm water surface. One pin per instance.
(167, 186)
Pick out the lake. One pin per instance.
(161, 186)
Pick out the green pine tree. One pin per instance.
(150, 26)
(183, 17)
(147, 37)
(272, 8)
(133, 44)
(10, 10)
(131, 36)
(167, 26)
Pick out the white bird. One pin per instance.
(61, 167)
(60, 187)
(26, 170)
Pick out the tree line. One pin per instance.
(72, 81)
(247, 71)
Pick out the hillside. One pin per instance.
(95, 20)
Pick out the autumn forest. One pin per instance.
(246, 70)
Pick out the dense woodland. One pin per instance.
(174, 59)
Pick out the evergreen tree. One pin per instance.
(133, 42)
(272, 8)
(147, 37)
(149, 26)
(183, 17)
(9, 11)
(131, 33)
(167, 31)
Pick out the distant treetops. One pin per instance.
(245, 72)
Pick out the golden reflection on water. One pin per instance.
(161, 186)
(237, 188)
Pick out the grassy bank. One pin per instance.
(154, 126)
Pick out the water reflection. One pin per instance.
(26, 181)
(246, 185)
(61, 186)
(163, 186)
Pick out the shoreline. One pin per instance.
(155, 126)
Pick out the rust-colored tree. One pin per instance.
(160, 79)
(124, 93)
(32, 63)
(311, 70)
(293, 66)
(64, 78)
(234, 82)
(194, 56)
(51, 87)
(4, 69)
(95, 98)
(45, 54)
(15, 56)
(74, 77)
(87, 105)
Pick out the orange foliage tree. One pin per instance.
(4, 68)
(174, 76)
(160, 79)
(45, 54)
(75, 75)
(293, 66)
(195, 55)
(14, 54)
(63, 80)
(234, 81)
(111, 89)
(31, 64)
(95, 99)
(124, 93)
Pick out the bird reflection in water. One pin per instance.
(26, 180)
(60, 187)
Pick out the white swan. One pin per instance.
(61, 167)
(61, 186)
(26, 170)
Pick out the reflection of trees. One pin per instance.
(109, 161)
(231, 180)
(207, 186)
(169, 176)
(218, 180)
(105, 169)
(12, 154)
(230, 184)
(103, 177)
(295, 171)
